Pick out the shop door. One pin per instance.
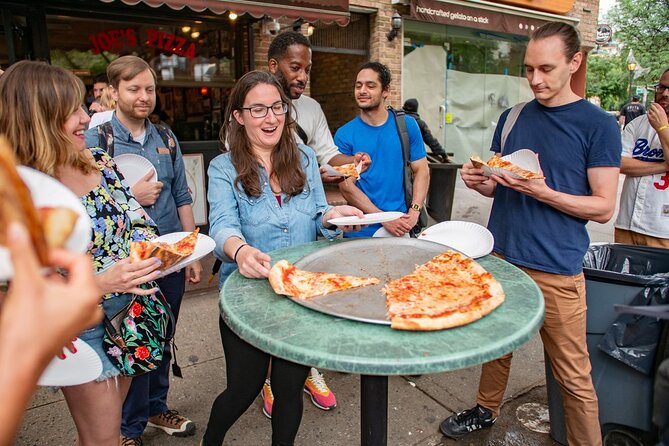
(464, 79)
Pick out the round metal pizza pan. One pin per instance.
(384, 258)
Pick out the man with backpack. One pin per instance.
(539, 224)
(169, 204)
(376, 132)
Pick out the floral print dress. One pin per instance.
(117, 217)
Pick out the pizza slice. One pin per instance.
(348, 170)
(289, 280)
(448, 291)
(17, 205)
(58, 224)
(168, 253)
(186, 246)
(497, 161)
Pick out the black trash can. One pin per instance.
(442, 188)
(622, 347)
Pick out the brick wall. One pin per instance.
(587, 12)
(332, 79)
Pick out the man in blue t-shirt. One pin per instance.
(381, 187)
(539, 225)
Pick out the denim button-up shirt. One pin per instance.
(260, 221)
(174, 193)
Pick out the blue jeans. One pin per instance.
(148, 392)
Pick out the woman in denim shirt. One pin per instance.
(264, 194)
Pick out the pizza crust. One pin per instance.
(275, 277)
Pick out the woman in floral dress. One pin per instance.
(41, 115)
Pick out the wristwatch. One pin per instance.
(416, 207)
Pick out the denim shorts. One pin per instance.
(93, 336)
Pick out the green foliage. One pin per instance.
(643, 25)
(608, 78)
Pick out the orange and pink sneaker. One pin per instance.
(267, 399)
(320, 393)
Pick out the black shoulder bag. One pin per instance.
(408, 173)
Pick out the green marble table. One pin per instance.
(281, 327)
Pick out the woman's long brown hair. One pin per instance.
(286, 165)
(35, 101)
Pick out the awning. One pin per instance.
(483, 15)
(310, 10)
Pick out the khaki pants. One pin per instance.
(635, 238)
(564, 339)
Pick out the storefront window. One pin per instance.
(474, 75)
(194, 62)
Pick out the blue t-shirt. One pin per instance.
(383, 181)
(569, 139)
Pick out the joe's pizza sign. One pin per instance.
(116, 40)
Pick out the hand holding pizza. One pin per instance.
(126, 276)
(363, 159)
(474, 179)
(535, 188)
(252, 262)
(145, 190)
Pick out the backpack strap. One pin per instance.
(106, 138)
(403, 134)
(511, 119)
(301, 133)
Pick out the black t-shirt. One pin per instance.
(632, 111)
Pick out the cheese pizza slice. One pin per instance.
(289, 280)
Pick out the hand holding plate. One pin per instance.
(343, 211)
(146, 191)
(126, 276)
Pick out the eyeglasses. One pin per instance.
(659, 88)
(260, 111)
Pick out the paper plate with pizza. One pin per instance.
(176, 250)
(522, 164)
(345, 170)
(422, 289)
(53, 215)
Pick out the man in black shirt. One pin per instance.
(410, 107)
(631, 111)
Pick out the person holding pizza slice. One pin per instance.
(578, 146)
(265, 193)
(43, 120)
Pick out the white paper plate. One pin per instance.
(367, 219)
(383, 232)
(205, 245)
(523, 158)
(49, 192)
(77, 368)
(469, 238)
(134, 167)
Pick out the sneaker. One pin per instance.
(127, 441)
(267, 399)
(320, 394)
(174, 424)
(467, 421)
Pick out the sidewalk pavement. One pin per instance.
(416, 405)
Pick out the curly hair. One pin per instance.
(384, 73)
(286, 164)
(280, 44)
